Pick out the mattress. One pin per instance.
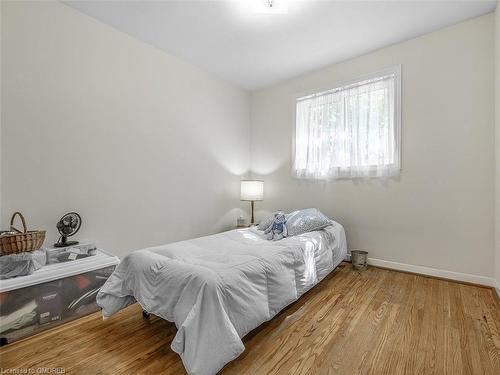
(218, 288)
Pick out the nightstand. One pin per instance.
(241, 226)
(246, 226)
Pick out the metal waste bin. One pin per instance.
(359, 259)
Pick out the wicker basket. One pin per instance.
(22, 241)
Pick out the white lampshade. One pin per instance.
(252, 190)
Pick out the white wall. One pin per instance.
(1, 115)
(147, 148)
(440, 212)
(497, 146)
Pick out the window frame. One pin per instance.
(395, 69)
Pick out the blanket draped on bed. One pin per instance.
(218, 288)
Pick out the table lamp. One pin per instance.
(252, 190)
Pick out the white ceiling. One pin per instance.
(254, 50)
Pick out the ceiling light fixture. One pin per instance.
(271, 6)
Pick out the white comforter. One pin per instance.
(218, 288)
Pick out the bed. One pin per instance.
(218, 288)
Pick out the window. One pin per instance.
(350, 131)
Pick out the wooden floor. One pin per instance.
(376, 322)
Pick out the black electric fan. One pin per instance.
(67, 227)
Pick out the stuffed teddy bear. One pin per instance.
(277, 230)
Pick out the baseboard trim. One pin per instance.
(434, 272)
(497, 288)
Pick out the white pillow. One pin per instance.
(307, 220)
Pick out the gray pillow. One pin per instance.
(307, 220)
(266, 222)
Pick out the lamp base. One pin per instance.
(252, 220)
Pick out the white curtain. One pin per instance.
(348, 132)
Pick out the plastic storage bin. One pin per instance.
(54, 294)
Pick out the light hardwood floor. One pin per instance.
(375, 322)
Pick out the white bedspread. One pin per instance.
(218, 288)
